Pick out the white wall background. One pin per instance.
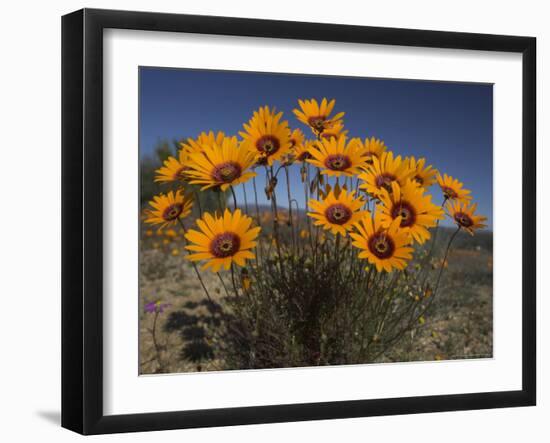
(30, 218)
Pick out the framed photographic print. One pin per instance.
(269, 221)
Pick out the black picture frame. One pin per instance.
(82, 219)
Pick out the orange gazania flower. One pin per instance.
(383, 172)
(221, 165)
(415, 208)
(453, 189)
(337, 212)
(386, 248)
(464, 216)
(316, 116)
(222, 240)
(374, 147)
(168, 209)
(267, 136)
(424, 175)
(337, 158)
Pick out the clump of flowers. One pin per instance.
(332, 272)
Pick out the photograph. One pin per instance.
(302, 220)
(317, 220)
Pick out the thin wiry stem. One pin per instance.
(290, 208)
(245, 199)
(271, 183)
(194, 265)
(258, 221)
(433, 242)
(444, 261)
(234, 198)
(223, 283)
(221, 204)
(233, 281)
(198, 200)
(306, 201)
(155, 342)
(416, 318)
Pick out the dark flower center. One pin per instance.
(463, 219)
(225, 245)
(407, 213)
(381, 245)
(226, 172)
(384, 181)
(317, 122)
(449, 192)
(172, 212)
(338, 214)
(268, 144)
(338, 162)
(292, 142)
(304, 155)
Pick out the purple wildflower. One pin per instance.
(156, 306)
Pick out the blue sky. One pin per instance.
(451, 124)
